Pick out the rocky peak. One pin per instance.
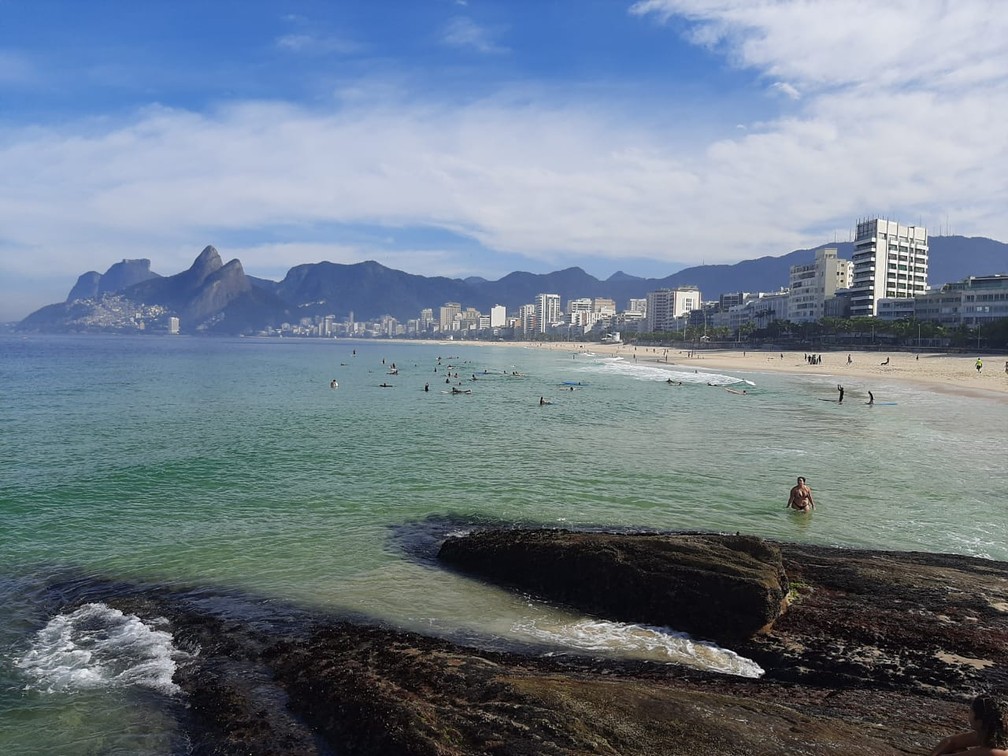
(208, 263)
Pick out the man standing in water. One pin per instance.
(801, 497)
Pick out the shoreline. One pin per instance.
(939, 371)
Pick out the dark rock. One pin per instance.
(877, 654)
(725, 588)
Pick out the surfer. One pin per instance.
(801, 497)
(840, 389)
(385, 385)
(426, 387)
(988, 718)
(871, 398)
(886, 362)
(333, 384)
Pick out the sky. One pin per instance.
(479, 137)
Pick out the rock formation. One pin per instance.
(724, 588)
(876, 654)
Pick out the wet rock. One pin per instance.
(876, 654)
(725, 588)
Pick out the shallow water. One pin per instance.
(232, 466)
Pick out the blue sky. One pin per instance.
(455, 138)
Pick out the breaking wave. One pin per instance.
(97, 646)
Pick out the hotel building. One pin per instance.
(890, 260)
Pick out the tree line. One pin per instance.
(861, 332)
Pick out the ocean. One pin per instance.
(233, 466)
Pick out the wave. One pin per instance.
(642, 372)
(97, 646)
(645, 641)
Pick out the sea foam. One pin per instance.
(641, 641)
(97, 646)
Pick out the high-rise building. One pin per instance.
(528, 319)
(547, 308)
(811, 285)
(448, 313)
(498, 316)
(664, 306)
(890, 260)
(604, 306)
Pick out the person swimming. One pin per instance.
(801, 497)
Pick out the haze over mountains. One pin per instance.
(215, 297)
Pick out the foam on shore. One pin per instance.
(641, 641)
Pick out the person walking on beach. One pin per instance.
(979, 364)
(988, 718)
(801, 497)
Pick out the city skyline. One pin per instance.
(476, 138)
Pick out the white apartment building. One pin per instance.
(547, 310)
(665, 306)
(811, 285)
(581, 304)
(890, 260)
(637, 306)
(498, 316)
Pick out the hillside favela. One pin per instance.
(888, 286)
(488, 378)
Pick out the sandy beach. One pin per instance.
(942, 372)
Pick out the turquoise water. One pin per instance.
(232, 464)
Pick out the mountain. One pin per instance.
(92, 284)
(210, 296)
(214, 297)
(367, 289)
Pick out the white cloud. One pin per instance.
(315, 44)
(466, 33)
(908, 125)
(829, 43)
(786, 89)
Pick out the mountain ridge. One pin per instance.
(215, 297)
